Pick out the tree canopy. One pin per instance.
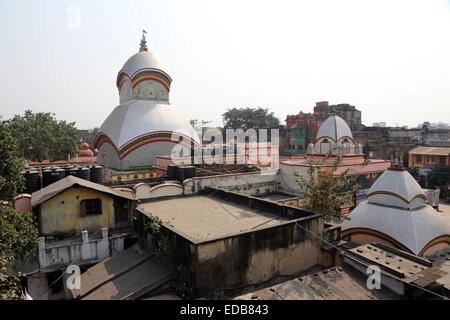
(18, 232)
(327, 192)
(18, 238)
(247, 118)
(41, 136)
(11, 164)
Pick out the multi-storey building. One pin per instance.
(429, 157)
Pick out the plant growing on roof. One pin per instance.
(325, 190)
(159, 238)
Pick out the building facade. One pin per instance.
(429, 157)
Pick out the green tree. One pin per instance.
(11, 164)
(439, 178)
(18, 238)
(247, 118)
(41, 136)
(325, 191)
(18, 232)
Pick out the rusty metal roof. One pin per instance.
(58, 187)
(437, 151)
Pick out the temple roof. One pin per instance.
(412, 228)
(139, 117)
(140, 61)
(335, 128)
(396, 187)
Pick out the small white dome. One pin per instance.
(397, 188)
(142, 60)
(335, 128)
(143, 77)
(334, 134)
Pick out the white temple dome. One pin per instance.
(397, 188)
(142, 60)
(143, 77)
(334, 134)
(144, 125)
(335, 128)
(397, 214)
(131, 120)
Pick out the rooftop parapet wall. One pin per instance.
(249, 183)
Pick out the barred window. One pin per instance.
(91, 207)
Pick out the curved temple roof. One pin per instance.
(142, 60)
(397, 207)
(335, 128)
(396, 187)
(137, 117)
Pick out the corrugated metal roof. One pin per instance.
(439, 151)
(57, 187)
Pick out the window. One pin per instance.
(91, 207)
(432, 159)
(428, 159)
(442, 160)
(418, 158)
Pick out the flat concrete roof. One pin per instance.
(202, 218)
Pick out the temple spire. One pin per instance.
(143, 42)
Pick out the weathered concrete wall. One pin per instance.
(60, 254)
(62, 213)
(257, 256)
(249, 257)
(288, 178)
(250, 183)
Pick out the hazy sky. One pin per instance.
(391, 59)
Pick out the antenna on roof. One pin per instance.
(143, 42)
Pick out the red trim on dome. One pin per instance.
(396, 167)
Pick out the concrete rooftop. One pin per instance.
(202, 218)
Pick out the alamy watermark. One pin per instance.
(73, 281)
(258, 147)
(374, 279)
(73, 17)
